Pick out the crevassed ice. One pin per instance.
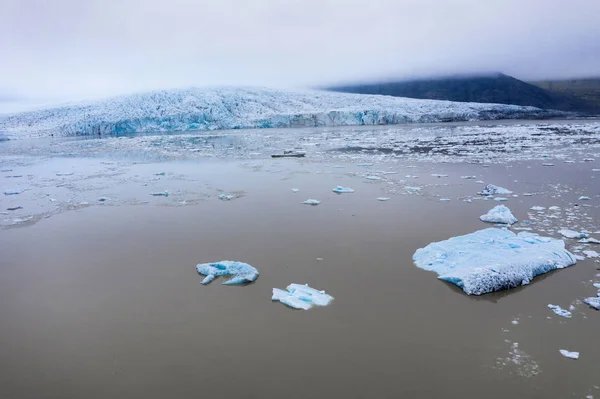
(493, 259)
(300, 296)
(241, 272)
(499, 214)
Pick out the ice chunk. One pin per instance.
(409, 188)
(593, 302)
(159, 174)
(584, 198)
(500, 199)
(382, 198)
(591, 254)
(572, 234)
(560, 311)
(241, 272)
(490, 189)
(373, 178)
(537, 208)
(14, 208)
(438, 175)
(226, 197)
(499, 214)
(493, 259)
(64, 174)
(547, 164)
(13, 191)
(311, 202)
(366, 164)
(295, 190)
(300, 296)
(469, 177)
(102, 199)
(596, 285)
(570, 355)
(445, 199)
(160, 193)
(589, 241)
(340, 190)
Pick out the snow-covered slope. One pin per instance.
(236, 108)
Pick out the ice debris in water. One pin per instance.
(102, 199)
(493, 259)
(241, 272)
(64, 174)
(490, 189)
(340, 190)
(469, 177)
(300, 296)
(570, 355)
(589, 241)
(560, 311)
(547, 164)
(499, 214)
(366, 164)
(591, 254)
(593, 302)
(373, 178)
(295, 190)
(226, 197)
(572, 234)
(500, 199)
(382, 198)
(445, 199)
(161, 193)
(409, 188)
(13, 191)
(584, 198)
(537, 208)
(438, 175)
(311, 202)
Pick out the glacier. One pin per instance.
(242, 272)
(245, 108)
(499, 214)
(300, 296)
(493, 259)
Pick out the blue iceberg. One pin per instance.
(340, 190)
(499, 214)
(300, 296)
(241, 272)
(493, 259)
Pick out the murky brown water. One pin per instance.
(105, 302)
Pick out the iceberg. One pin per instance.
(570, 355)
(584, 198)
(490, 189)
(340, 190)
(500, 199)
(241, 272)
(591, 254)
(593, 302)
(226, 197)
(160, 194)
(410, 188)
(560, 311)
(311, 202)
(499, 214)
(383, 198)
(469, 177)
(572, 234)
(300, 296)
(493, 259)
(537, 208)
(295, 190)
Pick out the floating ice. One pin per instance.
(409, 188)
(589, 241)
(241, 272)
(445, 199)
(382, 198)
(537, 208)
(102, 199)
(572, 234)
(500, 199)
(13, 191)
(300, 296)
(499, 214)
(480, 182)
(593, 302)
(596, 285)
(560, 311)
(160, 193)
(311, 202)
(490, 189)
(373, 178)
(584, 198)
(570, 355)
(591, 254)
(14, 208)
(366, 164)
(226, 197)
(159, 174)
(295, 190)
(547, 164)
(469, 177)
(493, 259)
(554, 208)
(438, 175)
(65, 174)
(340, 190)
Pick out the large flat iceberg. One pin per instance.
(244, 108)
(493, 259)
(300, 296)
(241, 272)
(499, 214)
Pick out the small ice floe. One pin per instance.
(499, 214)
(300, 296)
(311, 202)
(366, 164)
(469, 177)
(588, 159)
(445, 199)
(500, 199)
(528, 194)
(572, 234)
(410, 188)
(14, 208)
(64, 174)
(5, 170)
(159, 174)
(319, 259)
(596, 285)
(584, 198)
(593, 302)
(570, 355)
(480, 182)
(295, 190)
(340, 190)
(554, 208)
(560, 311)
(589, 241)
(160, 193)
(468, 200)
(102, 199)
(226, 197)
(241, 272)
(490, 189)
(13, 191)
(591, 254)
(515, 321)
(595, 170)
(547, 164)
(373, 178)
(569, 161)
(537, 208)
(493, 259)
(438, 175)
(382, 198)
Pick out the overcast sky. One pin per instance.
(74, 49)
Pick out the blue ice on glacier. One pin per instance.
(241, 272)
(300, 296)
(493, 259)
(499, 214)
